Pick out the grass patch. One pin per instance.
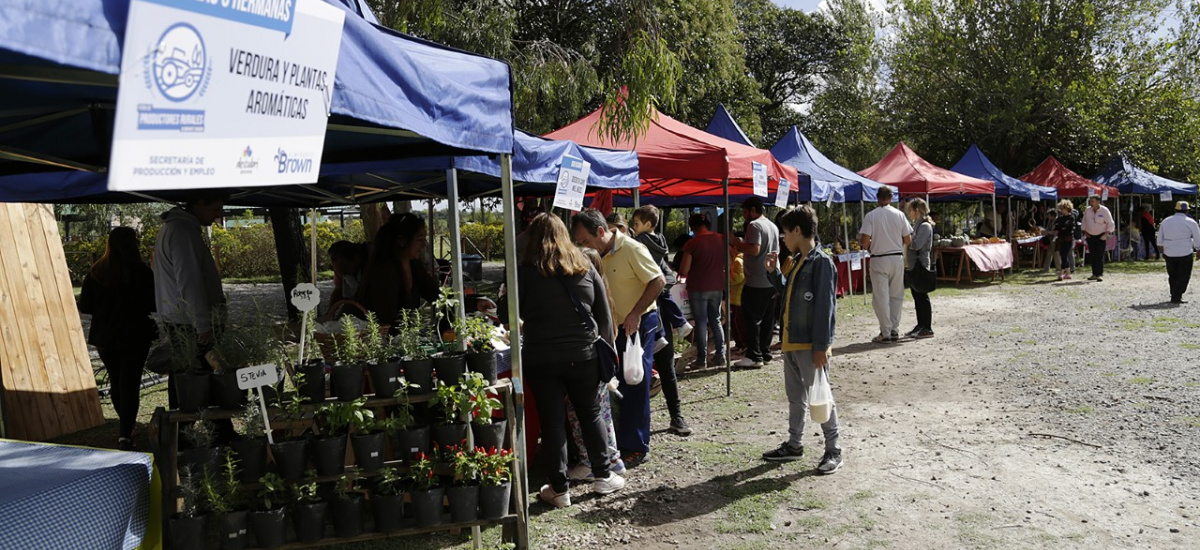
(1189, 421)
(1141, 380)
(1134, 268)
(811, 501)
(1142, 406)
(809, 523)
(753, 506)
(879, 543)
(1028, 342)
(1082, 409)
(1189, 345)
(862, 495)
(1108, 374)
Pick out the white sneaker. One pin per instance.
(608, 485)
(746, 363)
(557, 500)
(683, 331)
(660, 344)
(580, 472)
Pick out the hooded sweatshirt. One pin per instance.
(187, 287)
(657, 245)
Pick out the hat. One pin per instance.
(1181, 206)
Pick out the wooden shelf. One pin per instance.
(510, 519)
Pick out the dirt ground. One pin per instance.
(1043, 414)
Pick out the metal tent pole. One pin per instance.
(637, 200)
(312, 223)
(862, 212)
(452, 226)
(514, 323)
(728, 293)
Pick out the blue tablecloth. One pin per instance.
(62, 498)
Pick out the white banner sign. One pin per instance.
(1091, 192)
(760, 179)
(215, 93)
(781, 194)
(1165, 196)
(1104, 195)
(572, 183)
(1035, 195)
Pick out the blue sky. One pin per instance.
(806, 5)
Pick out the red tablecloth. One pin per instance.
(850, 270)
(990, 257)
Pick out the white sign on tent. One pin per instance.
(1165, 196)
(1104, 195)
(1035, 195)
(760, 179)
(781, 194)
(572, 183)
(223, 94)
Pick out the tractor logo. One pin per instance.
(180, 62)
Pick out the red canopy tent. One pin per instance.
(913, 175)
(676, 160)
(1053, 173)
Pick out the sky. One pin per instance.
(806, 5)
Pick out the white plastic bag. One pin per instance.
(820, 398)
(632, 369)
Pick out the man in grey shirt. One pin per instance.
(758, 295)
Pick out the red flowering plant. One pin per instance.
(495, 466)
(482, 403)
(421, 473)
(465, 465)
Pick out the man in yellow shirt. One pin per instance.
(634, 282)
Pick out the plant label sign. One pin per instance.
(306, 297)
(1165, 196)
(760, 179)
(781, 193)
(572, 183)
(257, 376)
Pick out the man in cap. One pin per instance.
(1178, 239)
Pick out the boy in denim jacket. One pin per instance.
(809, 315)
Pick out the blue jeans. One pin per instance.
(706, 309)
(633, 418)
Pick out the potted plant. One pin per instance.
(188, 526)
(291, 453)
(387, 500)
(193, 385)
(200, 454)
(452, 405)
(346, 377)
(495, 481)
(308, 511)
(427, 491)
(333, 421)
(414, 356)
(309, 377)
(347, 508)
(477, 332)
(463, 494)
(382, 364)
(247, 345)
(223, 493)
(488, 431)
(450, 361)
(267, 518)
(368, 441)
(251, 448)
(407, 437)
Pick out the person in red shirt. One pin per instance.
(703, 266)
(1148, 229)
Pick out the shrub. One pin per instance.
(486, 240)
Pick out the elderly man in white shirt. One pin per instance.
(1098, 225)
(1179, 239)
(885, 232)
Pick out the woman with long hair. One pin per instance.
(1064, 226)
(118, 292)
(919, 258)
(562, 297)
(396, 276)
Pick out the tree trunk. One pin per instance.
(291, 251)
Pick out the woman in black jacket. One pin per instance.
(119, 294)
(558, 352)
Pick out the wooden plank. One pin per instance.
(24, 351)
(78, 390)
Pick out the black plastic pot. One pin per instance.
(309, 521)
(192, 391)
(346, 381)
(483, 363)
(187, 533)
(447, 435)
(385, 378)
(419, 374)
(225, 392)
(312, 389)
(427, 506)
(464, 503)
(450, 368)
(347, 517)
(232, 529)
(203, 459)
(252, 458)
(490, 435)
(329, 455)
(494, 500)
(407, 443)
(368, 451)
(270, 528)
(291, 458)
(387, 509)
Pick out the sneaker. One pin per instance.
(718, 361)
(1093, 278)
(660, 344)
(830, 463)
(913, 333)
(580, 472)
(1067, 277)
(683, 331)
(608, 485)
(881, 339)
(617, 467)
(895, 337)
(680, 427)
(634, 459)
(925, 333)
(126, 444)
(1099, 279)
(748, 363)
(784, 453)
(557, 500)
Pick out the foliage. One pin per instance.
(335, 418)
(487, 240)
(389, 482)
(375, 348)
(191, 492)
(245, 248)
(451, 403)
(465, 465)
(248, 344)
(477, 332)
(252, 422)
(223, 490)
(446, 306)
(495, 466)
(483, 403)
(200, 434)
(409, 341)
(272, 493)
(329, 232)
(351, 349)
(307, 491)
(346, 488)
(402, 412)
(421, 473)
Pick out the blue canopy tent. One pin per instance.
(975, 164)
(1130, 178)
(723, 125)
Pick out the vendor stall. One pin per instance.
(955, 262)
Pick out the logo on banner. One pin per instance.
(247, 163)
(294, 164)
(178, 67)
